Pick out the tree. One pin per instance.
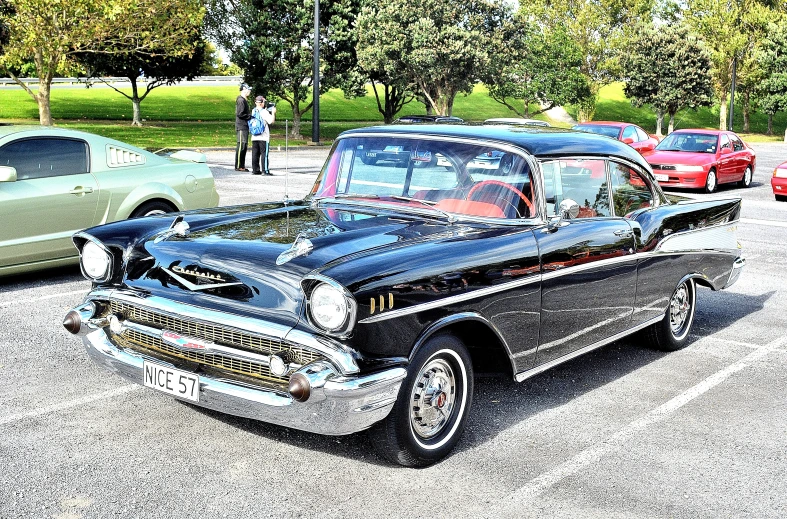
(600, 28)
(536, 65)
(381, 60)
(730, 30)
(156, 66)
(667, 67)
(440, 47)
(771, 94)
(273, 42)
(52, 32)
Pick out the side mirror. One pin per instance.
(725, 151)
(628, 140)
(7, 174)
(568, 210)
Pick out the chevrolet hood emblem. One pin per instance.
(178, 274)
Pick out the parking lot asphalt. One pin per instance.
(621, 432)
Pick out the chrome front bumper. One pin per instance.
(344, 405)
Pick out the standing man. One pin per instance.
(242, 116)
(265, 113)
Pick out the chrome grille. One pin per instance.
(210, 332)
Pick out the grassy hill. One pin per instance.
(203, 116)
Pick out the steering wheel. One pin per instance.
(484, 183)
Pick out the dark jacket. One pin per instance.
(242, 114)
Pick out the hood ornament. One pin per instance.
(178, 228)
(300, 247)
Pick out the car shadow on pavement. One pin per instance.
(499, 403)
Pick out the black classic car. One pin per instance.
(371, 303)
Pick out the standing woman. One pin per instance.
(260, 144)
(242, 116)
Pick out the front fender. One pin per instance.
(146, 192)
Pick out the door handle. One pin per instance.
(79, 190)
(624, 233)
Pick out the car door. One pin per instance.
(741, 156)
(726, 171)
(54, 195)
(588, 262)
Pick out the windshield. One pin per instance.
(693, 142)
(428, 175)
(600, 129)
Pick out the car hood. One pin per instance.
(231, 258)
(679, 157)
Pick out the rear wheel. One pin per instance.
(672, 332)
(746, 180)
(781, 198)
(433, 404)
(711, 183)
(151, 209)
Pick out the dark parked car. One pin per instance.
(371, 303)
(630, 134)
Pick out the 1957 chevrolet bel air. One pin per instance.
(371, 303)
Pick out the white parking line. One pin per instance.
(772, 223)
(42, 298)
(71, 403)
(585, 458)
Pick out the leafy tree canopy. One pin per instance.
(668, 68)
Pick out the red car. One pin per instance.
(779, 182)
(702, 159)
(631, 134)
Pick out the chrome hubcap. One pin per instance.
(679, 309)
(433, 398)
(747, 176)
(711, 181)
(154, 212)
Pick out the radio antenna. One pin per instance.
(286, 160)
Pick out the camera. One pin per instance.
(270, 105)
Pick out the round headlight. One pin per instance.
(95, 261)
(328, 307)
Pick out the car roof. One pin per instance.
(701, 130)
(516, 120)
(605, 123)
(542, 142)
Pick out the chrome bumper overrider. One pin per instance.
(343, 405)
(735, 273)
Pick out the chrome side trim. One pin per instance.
(340, 355)
(481, 292)
(519, 377)
(714, 237)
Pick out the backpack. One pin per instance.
(256, 126)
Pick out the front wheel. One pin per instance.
(746, 180)
(672, 332)
(711, 183)
(433, 404)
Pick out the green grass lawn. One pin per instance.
(203, 116)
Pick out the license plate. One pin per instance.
(662, 178)
(181, 384)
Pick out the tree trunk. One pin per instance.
(659, 121)
(746, 109)
(770, 124)
(723, 112)
(43, 100)
(671, 123)
(296, 123)
(135, 102)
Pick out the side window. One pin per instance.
(629, 132)
(630, 191)
(725, 141)
(581, 180)
(42, 158)
(737, 144)
(641, 135)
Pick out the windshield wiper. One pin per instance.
(356, 195)
(428, 203)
